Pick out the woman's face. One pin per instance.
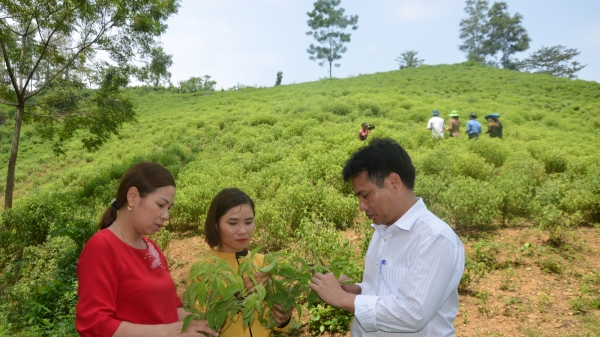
(153, 211)
(236, 228)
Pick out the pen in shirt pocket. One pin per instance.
(381, 265)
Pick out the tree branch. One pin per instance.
(21, 63)
(8, 103)
(67, 64)
(37, 63)
(9, 69)
(81, 114)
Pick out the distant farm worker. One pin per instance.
(364, 132)
(473, 126)
(436, 125)
(125, 288)
(454, 124)
(494, 126)
(228, 230)
(414, 261)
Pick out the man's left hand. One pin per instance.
(330, 291)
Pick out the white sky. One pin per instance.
(248, 42)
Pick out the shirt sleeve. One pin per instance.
(97, 274)
(419, 294)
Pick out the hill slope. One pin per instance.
(285, 146)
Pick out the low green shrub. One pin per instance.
(28, 223)
(317, 237)
(468, 202)
(327, 319)
(337, 108)
(473, 272)
(485, 252)
(493, 150)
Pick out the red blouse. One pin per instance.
(120, 283)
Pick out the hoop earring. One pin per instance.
(129, 208)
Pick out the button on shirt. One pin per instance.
(412, 270)
(436, 124)
(473, 127)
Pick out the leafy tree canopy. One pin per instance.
(554, 61)
(194, 84)
(491, 32)
(409, 59)
(49, 61)
(328, 24)
(156, 71)
(474, 30)
(506, 34)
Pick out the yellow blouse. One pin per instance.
(236, 328)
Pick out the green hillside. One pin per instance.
(285, 146)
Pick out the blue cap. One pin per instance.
(435, 113)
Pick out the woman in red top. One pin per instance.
(125, 288)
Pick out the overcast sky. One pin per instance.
(249, 41)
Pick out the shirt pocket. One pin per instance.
(390, 280)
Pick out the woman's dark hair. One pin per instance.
(380, 158)
(146, 177)
(225, 200)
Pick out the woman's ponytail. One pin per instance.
(108, 218)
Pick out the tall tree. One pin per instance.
(328, 24)
(409, 59)
(156, 71)
(474, 30)
(43, 41)
(279, 78)
(506, 34)
(555, 61)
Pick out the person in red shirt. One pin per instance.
(125, 288)
(363, 133)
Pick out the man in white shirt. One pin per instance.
(436, 124)
(414, 261)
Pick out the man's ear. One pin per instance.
(395, 181)
(133, 196)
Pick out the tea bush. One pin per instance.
(470, 203)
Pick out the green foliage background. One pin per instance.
(285, 146)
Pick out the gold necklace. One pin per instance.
(119, 229)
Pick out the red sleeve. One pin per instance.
(98, 276)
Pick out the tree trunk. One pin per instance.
(329, 69)
(12, 160)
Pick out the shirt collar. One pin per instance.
(408, 219)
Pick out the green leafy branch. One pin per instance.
(217, 292)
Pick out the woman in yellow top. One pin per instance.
(228, 230)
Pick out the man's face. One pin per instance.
(377, 203)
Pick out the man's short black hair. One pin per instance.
(379, 159)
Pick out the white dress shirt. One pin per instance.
(412, 270)
(436, 124)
